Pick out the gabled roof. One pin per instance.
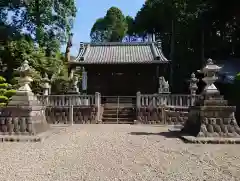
(120, 53)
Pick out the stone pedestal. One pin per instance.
(212, 118)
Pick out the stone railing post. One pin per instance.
(193, 88)
(98, 105)
(154, 100)
(138, 99)
(71, 115)
(46, 88)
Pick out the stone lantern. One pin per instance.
(211, 118)
(24, 116)
(46, 85)
(210, 78)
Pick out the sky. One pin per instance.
(90, 10)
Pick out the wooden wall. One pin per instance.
(125, 79)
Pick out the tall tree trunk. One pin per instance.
(38, 21)
(202, 46)
(172, 53)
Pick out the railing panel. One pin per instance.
(170, 100)
(67, 100)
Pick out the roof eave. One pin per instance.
(115, 63)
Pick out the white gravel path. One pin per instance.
(111, 152)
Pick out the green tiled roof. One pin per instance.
(120, 53)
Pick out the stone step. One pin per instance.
(122, 105)
(117, 100)
(121, 115)
(119, 108)
(117, 120)
(112, 111)
(131, 122)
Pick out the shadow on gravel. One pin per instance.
(167, 134)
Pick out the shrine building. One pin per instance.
(121, 69)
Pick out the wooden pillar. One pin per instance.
(84, 80)
(157, 76)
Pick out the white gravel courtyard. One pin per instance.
(117, 152)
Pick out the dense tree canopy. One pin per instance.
(191, 31)
(111, 28)
(34, 30)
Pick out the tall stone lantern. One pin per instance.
(211, 116)
(46, 85)
(24, 115)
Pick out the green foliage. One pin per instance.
(238, 77)
(3, 85)
(5, 94)
(3, 91)
(2, 79)
(191, 31)
(3, 99)
(2, 104)
(46, 24)
(112, 28)
(9, 93)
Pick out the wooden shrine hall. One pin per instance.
(121, 69)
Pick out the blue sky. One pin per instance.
(90, 10)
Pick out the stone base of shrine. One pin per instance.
(32, 138)
(209, 140)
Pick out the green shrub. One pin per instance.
(3, 99)
(2, 79)
(5, 92)
(3, 85)
(9, 93)
(2, 104)
(238, 77)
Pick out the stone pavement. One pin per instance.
(117, 152)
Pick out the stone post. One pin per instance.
(98, 105)
(71, 115)
(138, 106)
(138, 97)
(193, 88)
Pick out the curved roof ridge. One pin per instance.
(118, 43)
(120, 52)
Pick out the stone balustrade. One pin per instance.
(67, 100)
(76, 114)
(171, 109)
(169, 100)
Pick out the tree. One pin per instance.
(111, 28)
(99, 31)
(47, 21)
(191, 31)
(46, 24)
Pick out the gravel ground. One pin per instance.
(117, 152)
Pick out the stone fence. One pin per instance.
(171, 109)
(72, 109)
(150, 109)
